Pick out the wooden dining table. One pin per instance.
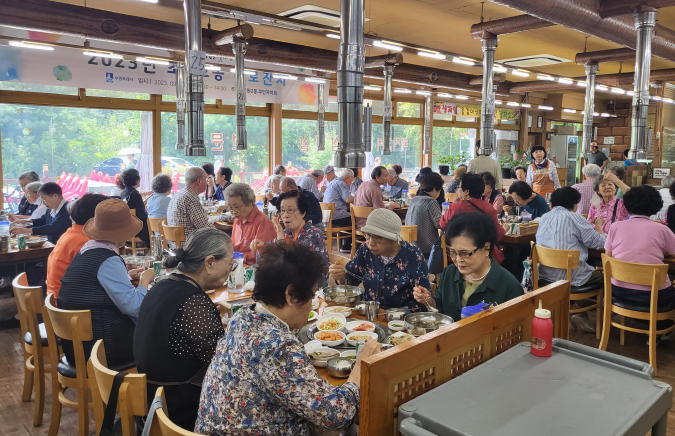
(17, 257)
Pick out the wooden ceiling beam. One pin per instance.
(241, 32)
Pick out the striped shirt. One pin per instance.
(424, 213)
(586, 191)
(186, 210)
(564, 230)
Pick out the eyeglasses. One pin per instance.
(236, 208)
(463, 254)
(373, 238)
(287, 211)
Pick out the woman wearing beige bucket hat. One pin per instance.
(389, 267)
(97, 280)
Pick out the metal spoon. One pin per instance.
(431, 309)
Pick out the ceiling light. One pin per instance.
(604, 114)
(246, 72)
(498, 102)
(284, 76)
(656, 97)
(102, 54)
(403, 91)
(595, 114)
(613, 116)
(601, 87)
(150, 1)
(618, 91)
(570, 111)
(387, 46)
(34, 45)
(212, 68)
(333, 35)
(445, 94)
(520, 73)
(667, 100)
(499, 69)
(461, 97)
(525, 105)
(314, 80)
(565, 81)
(512, 103)
(423, 93)
(546, 108)
(545, 77)
(428, 54)
(372, 88)
(631, 93)
(152, 61)
(582, 84)
(463, 61)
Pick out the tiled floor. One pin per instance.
(16, 416)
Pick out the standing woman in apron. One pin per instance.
(542, 174)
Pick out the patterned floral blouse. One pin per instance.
(261, 382)
(314, 239)
(606, 211)
(390, 280)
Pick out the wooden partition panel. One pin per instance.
(396, 376)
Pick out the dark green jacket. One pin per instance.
(499, 286)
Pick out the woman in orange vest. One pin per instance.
(542, 174)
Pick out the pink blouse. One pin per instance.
(606, 211)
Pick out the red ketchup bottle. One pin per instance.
(542, 333)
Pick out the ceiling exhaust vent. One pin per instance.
(315, 14)
(534, 61)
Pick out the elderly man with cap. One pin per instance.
(97, 280)
(329, 172)
(395, 185)
(310, 183)
(390, 266)
(590, 172)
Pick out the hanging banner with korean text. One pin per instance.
(465, 110)
(68, 67)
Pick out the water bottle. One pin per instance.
(404, 197)
(261, 206)
(235, 281)
(4, 223)
(446, 206)
(542, 333)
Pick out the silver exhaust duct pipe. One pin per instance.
(195, 82)
(239, 49)
(589, 108)
(350, 69)
(487, 109)
(368, 129)
(427, 124)
(386, 118)
(644, 24)
(180, 105)
(321, 140)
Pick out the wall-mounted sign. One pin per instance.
(661, 173)
(608, 140)
(445, 108)
(567, 130)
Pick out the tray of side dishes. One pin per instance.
(306, 333)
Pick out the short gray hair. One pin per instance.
(667, 181)
(318, 173)
(274, 179)
(193, 174)
(34, 187)
(200, 244)
(392, 172)
(32, 175)
(346, 173)
(162, 183)
(241, 190)
(592, 170)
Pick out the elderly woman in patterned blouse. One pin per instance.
(261, 381)
(606, 208)
(291, 226)
(390, 267)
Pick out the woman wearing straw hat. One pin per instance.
(97, 280)
(388, 266)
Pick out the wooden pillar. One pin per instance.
(275, 135)
(524, 114)
(157, 135)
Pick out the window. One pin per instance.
(448, 141)
(29, 87)
(299, 143)
(249, 165)
(405, 148)
(408, 110)
(56, 140)
(117, 94)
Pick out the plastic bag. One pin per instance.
(527, 275)
(468, 311)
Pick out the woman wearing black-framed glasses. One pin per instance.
(474, 276)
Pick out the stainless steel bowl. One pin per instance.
(418, 324)
(337, 371)
(395, 314)
(360, 308)
(345, 295)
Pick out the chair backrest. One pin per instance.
(341, 260)
(409, 233)
(155, 225)
(175, 234)
(553, 258)
(162, 425)
(444, 247)
(259, 198)
(133, 397)
(450, 197)
(29, 304)
(358, 212)
(635, 273)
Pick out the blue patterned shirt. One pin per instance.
(395, 190)
(261, 382)
(314, 239)
(338, 193)
(390, 281)
(309, 184)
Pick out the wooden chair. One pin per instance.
(639, 274)
(567, 260)
(357, 235)
(75, 326)
(131, 245)
(29, 304)
(449, 198)
(155, 225)
(162, 425)
(175, 234)
(259, 198)
(343, 261)
(444, 246)
(409, 233)
(339, 233)
(132, 399)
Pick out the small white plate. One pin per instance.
(335, 316)
(210, 292)
(353, 343)
(313, 316)
(346, 311)
(315, 303)
(401, 325)
(330, 343)
(350, 326)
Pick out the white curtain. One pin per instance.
(144, 166)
